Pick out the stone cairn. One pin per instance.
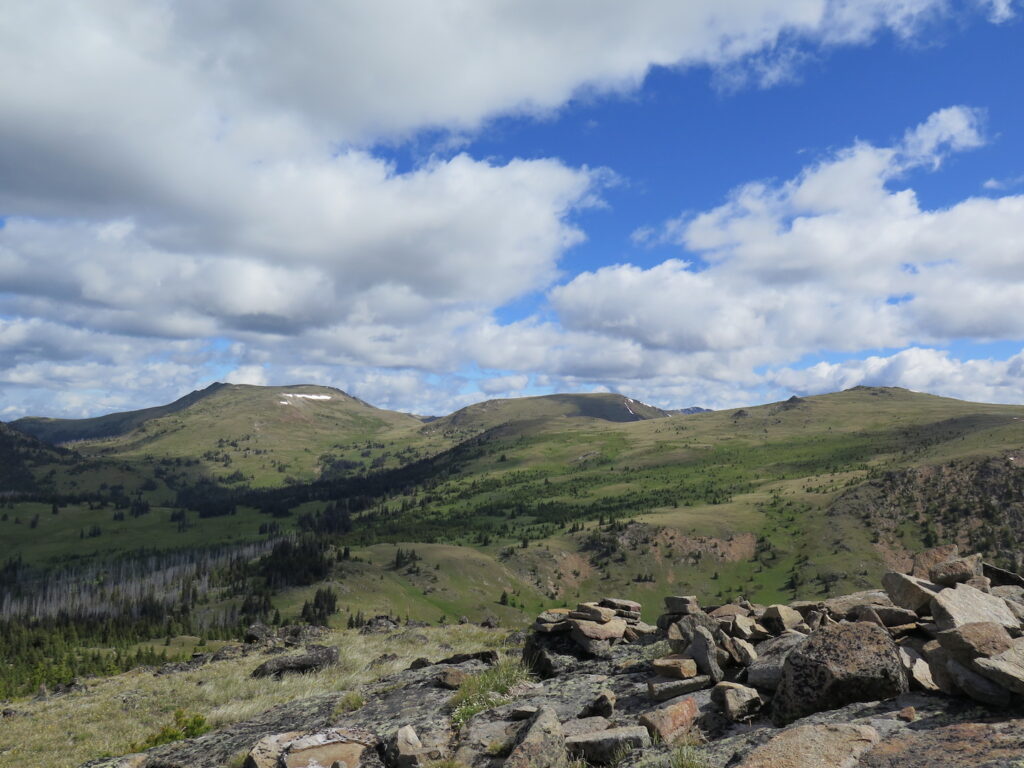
(952, 625)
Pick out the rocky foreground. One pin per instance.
(928, 671)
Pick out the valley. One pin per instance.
(244, 502)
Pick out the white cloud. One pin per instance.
(176, 172)
(833, 260)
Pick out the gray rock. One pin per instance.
(969, 641)
(840, 607)
(953, 608)
(955, 571)
(680, 633)
(909, 592)
(839, 664)
(766, 671)
(779, 618)
(665, 688)
(540, 745)
(814, 746)
(977, 686)
(1006, 668)
(605, 747)
(316, 657)
(703, 650)
(682, 604)
(737, 702)
(919, 674)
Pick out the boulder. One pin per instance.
(952, 572)
(676, 666)
(1006, 668)
(893, 616)
(961, 605)
(266, 753)
(665, 688)
(606, 747)
(592, 630)
(925, 560)
(909, 592)
(838, 665)
(327, 748)
(703, 650)
(978, 687)
(840, 607)
(938, 658)
(682, 604)
(814, 746)
(602, 706)
(584, 725)
(620, 604)
(980, 583)
(919, 674)
(969, 641)
(317, 657)
(729, 610)
(737, 702)
(672, 720)
(766, 671)
(779, 618)
(541, 744)
(593, 612)
(680, 633)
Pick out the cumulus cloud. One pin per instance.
(175, 173)
(837, 259)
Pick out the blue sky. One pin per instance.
(713, 203)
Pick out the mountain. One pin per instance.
(19, 453)
(693, 410)
(480, 417)
(265, 435)
(56, 431)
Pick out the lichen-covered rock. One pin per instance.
(680, 633)
(766, 671)
(604, 747)
(675, 666)
(665, 688)
(541, 745)
(909, 592)
(955, 745)
(1006, 668)
(671, 720)
(838, 664)
(969, 641)
(925, 560)
(316, 657)
(953, 572)
(735, 701)
(779, 618)
(328, 748)
(814, 746)
(961, 605)
(978, 687)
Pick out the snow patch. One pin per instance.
(309, 397)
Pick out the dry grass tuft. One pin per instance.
(114, 713)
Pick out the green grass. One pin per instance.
(487, 689)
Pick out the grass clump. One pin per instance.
(186, 726)
(487, 689)
(687, 756)
(349, 702)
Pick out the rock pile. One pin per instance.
(906, 676)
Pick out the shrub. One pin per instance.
(186, 726)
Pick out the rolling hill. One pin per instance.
(560, 494)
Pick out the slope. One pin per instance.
(479, 417)
(267, 436)
(56, 431)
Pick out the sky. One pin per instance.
(427, 203)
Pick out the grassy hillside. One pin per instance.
(266, 436)
(480, 417)
(542, 499)
(56, 431)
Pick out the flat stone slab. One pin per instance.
(814, 746)
(962, 604)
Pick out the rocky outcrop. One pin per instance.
(860, 681)
(839, 665)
